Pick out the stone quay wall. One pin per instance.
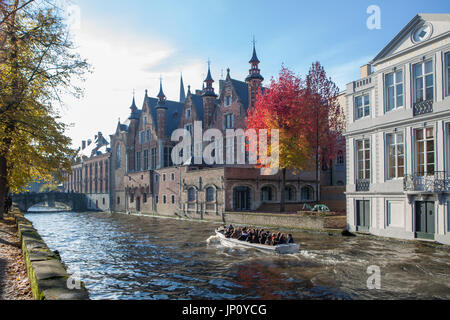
(48, 276)
(270, 220)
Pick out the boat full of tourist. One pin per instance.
(257, 239)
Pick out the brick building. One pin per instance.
(143, 178)
(90, 173)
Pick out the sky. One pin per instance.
(131, 44)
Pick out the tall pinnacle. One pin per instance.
(254, 57)
(182, 93)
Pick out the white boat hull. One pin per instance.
(281, 249)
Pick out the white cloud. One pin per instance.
(122, 63)
(347, 72)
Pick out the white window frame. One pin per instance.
(423, 77)
(363, 105)
(396, 145)
(364, 160)
(447, 72)
(425, 152)
(188, 114)
(396, 83)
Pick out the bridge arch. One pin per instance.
(76, 201)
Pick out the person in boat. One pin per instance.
(282, 240)
(269, 240)
(290, 239)
(229, 232)
(237, 234)
(263, 238)
(244, 235)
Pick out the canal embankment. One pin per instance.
(48, 276)
(301, 221)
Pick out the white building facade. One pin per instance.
(398, 136)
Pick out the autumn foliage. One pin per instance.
(307, 115)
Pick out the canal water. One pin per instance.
(134, 257)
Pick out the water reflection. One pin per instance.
(131, 257)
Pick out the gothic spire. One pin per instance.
(182, 93)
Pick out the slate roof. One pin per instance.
(241, 89)
(197, 101)
(173, 114)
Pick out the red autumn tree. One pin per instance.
(308, 118)
(327, 122)
(282, 107)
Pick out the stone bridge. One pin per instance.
(76, 201)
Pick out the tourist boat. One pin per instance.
(281, 249)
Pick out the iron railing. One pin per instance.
(435, 182)
(362, 185)
(423, 107)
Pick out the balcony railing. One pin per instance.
(362, 185)
(423, 107)
(437, 182)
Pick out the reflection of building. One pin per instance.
(398, 133)
(143, 178)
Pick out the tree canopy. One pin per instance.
(38, 64)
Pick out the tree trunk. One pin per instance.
(3, 185)
(283, 191)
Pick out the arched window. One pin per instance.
(267, 194)
(307, 193)
(210, 194)
(289, 193)
(192, 194)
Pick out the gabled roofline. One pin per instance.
(397, 38)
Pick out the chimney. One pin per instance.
(366, 70)
(83, 145)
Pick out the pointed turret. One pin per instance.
(161, 96)
(182, 93)
(209, 90)
(254, 72)
(134, 109)
(209, 98)
(161, 112)
(254, 78)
